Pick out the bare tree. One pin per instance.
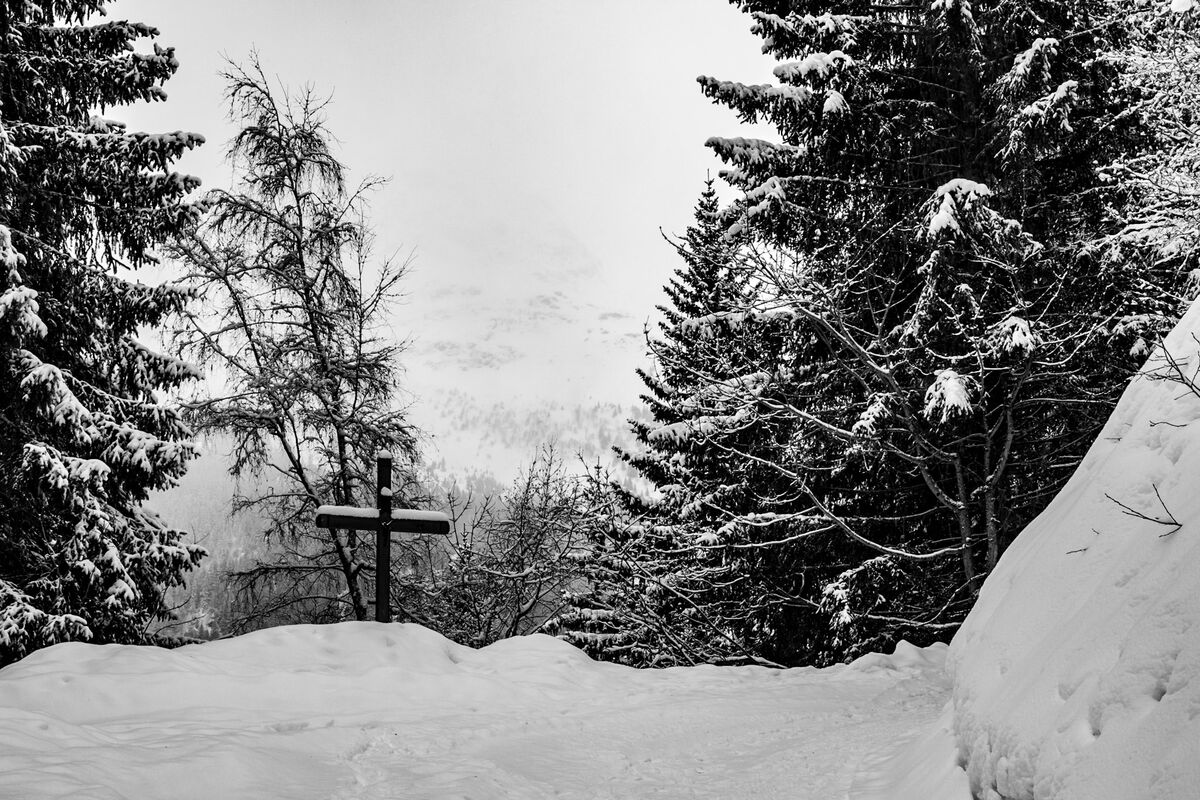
(509, 561)
(291, 321)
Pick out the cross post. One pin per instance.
(383, 539)
(385, 522)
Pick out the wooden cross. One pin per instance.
(384, 521)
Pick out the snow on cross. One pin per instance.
(404, 520)
(384, 521)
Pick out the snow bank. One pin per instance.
(366, 710)
(1077, 675)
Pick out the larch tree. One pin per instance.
(293, 322)
(935, 225)
(87, 427)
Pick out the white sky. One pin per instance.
(535, 150)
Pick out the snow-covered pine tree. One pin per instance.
(1162, 183)
(87, 429)
(935, 197)
(293, 316)
(689, 577)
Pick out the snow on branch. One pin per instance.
(945, 7)
(678, 433)
(952, 201)
(153, 368)
(24, 627)
(734, 389)
(1031, 67)
(10, 259)
(1051, 112)
(815, 65)
(949, 396)
(708, 325)
(47, 464)
(751, 152)
(763, 198)
(62, 474)
(144, 148)
(804, 28)
(835, 103)
(45, 383)
(868, 422)
(19, 306)
(750, 100)
(1013, 335)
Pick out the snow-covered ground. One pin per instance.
(363, 710)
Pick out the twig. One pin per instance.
(1170, 521)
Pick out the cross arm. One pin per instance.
(403, 520)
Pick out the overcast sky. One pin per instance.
(535, 149)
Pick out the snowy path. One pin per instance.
(798, 735)
(347, 714)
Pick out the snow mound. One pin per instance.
(279, 670)
(1077, 674)
(361, 710)
(906, 657)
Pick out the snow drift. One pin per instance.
(1077, 675)
(361, 710)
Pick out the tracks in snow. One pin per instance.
(734, 733)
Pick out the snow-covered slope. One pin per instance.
(365, 710)
(1077, 675)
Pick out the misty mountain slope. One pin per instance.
(500, 437)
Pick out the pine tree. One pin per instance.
(933, 224)
(87, 429)
(619, 608)
(693, 575)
